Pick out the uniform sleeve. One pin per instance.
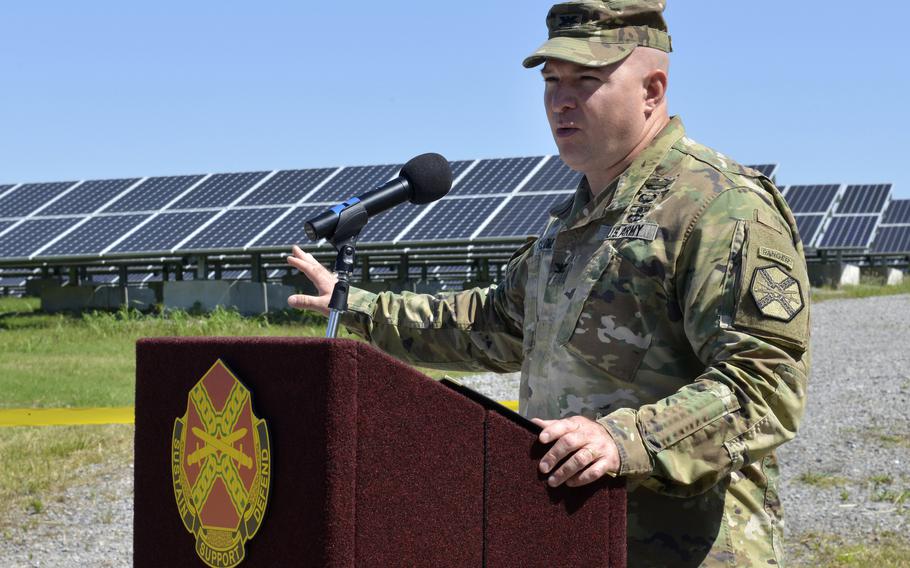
(473, 330)
(743, 290)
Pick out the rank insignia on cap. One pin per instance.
(776, 293)
(220, 463)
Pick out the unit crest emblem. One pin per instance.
(776, 293)
(220, 462)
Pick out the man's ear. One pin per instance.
(655, 89)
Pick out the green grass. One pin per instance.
(888, 550)
(59, 360)
(817, 479)
(88, 360)
(37, 462)
(866, 289)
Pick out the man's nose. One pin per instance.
(561, 98)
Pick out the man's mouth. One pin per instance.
(566, 131)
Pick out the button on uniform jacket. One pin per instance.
(673, 309)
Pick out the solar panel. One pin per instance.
(811, 198)
(766, 170)
(892, 240)
(849, 232)
(523, 215)
(495, 176)
(153, 194)
(864, 199)
(12, 281)
(234, 229)
(386, 226)
(4, 225)
(453, 219)
(459, 167)
(898, 212)
(220, 190)
(286, 187)
(29, 197)
(105, 278)
(555, 175)
(163, 232)
(808, 226)
(354, 181)
(94, 236)
(141, 277)
(289, 230)
(235, 274)
(88, 197)
(32, 235)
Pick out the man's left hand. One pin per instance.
(592, 449)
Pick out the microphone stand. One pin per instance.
(350, 222)
(344, 268)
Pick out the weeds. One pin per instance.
(821, 479)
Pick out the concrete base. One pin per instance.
(885, 274)
(248, 298)
(833, 274)
(35, 286)
(79, 298)
(850, 275)
(894, 277)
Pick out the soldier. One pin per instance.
(660, 321)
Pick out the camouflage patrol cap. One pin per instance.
(595, 33)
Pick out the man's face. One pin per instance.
(596, 114)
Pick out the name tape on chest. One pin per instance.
(640, 231)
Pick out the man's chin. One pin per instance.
(573, 160)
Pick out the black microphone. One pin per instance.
(423, 179)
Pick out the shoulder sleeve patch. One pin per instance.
(777, 294)
(773, 288)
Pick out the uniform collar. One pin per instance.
(620, 192)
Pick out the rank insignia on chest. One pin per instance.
(220, 463)
(776, 293)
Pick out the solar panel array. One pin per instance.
(894, 231)
(811, 206)
(855, 217)
(224, 213)
(254, 211)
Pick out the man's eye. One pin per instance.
(590, 78)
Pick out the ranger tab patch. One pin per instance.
(776, 293)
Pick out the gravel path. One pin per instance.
(846, 475)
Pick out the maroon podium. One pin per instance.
(371, 464)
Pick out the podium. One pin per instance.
(371, 464)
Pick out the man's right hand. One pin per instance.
(319, 276)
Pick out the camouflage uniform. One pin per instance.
(673, 309)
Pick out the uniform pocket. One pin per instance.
(604, 324)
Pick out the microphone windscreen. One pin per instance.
(429, 176)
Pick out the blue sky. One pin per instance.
(109, 89)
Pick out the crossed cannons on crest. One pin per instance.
(224, 445)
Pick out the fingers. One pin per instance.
(594, 472)
(584, 447)
(313, 270)
(322, 279)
